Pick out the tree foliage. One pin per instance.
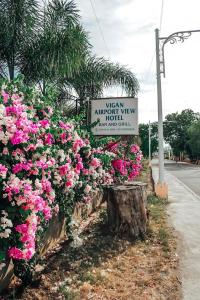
(60, 47)
(48, 45)
(19, 24)
(96, 74)
(41, 42)
(193, 143)
(176, 127)
(144, 136)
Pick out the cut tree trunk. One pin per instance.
(126, 207)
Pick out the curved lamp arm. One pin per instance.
(179, 36)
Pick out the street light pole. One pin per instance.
(179, 36)
(160, 113)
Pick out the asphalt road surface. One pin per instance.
(186, 173)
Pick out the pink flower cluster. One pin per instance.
(120, 166)
(127, 163)
(28, 235)
(40, 157)
(3, 171)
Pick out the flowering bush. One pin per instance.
(45, 165)
(127, 162)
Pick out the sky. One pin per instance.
(124, 32)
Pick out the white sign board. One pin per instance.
(117, 116)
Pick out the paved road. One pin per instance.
(186, 173)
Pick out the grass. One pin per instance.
(157, 209)
(69, 294)
(93, 278)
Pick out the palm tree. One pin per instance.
(43, 43)
(92, 78)
(48, 44)
(60, 47)
(96, 74)
(19, 21)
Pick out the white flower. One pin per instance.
(6, 233)
(2, 110)
(62, 155)
(87, 189)
(9, 223)
(4, 213)
(38, 184)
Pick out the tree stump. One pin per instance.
(126, 208)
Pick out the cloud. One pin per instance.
(128, 27)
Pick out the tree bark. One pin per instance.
(11, 69)
(126, 207)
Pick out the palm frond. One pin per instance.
(60, 47)
(55, 54)
(18, 25)
(97, 73)
(62, 14)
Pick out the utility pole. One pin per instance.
(149, 143)
(160, 112)
(179, 36)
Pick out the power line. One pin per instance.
(153, 56)
(146, 78)
(100, 28)
(161, 14)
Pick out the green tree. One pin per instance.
(193, 143)
(144, 136)
(43, 43)
(19, 23)
(176, 129)
(49, 47)
(60, 48)
(95, 74)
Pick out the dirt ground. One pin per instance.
(102, 266)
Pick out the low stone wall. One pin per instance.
(56, 230)
(6, 275)
(55, 233)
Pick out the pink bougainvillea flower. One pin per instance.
(43, 157)
(69, 184)
(134, 148)
(5, 151)
(79, 167)
(3, 171)
(44, 123)
(78, 144)
(112, 147)
(95, 162)
(64, 169)
(66, 126)
(48, 139)
(5, 96)
(16, 253)
(120, 166)
(87, 189)
(47, 213)
(19, 137)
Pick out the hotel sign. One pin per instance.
(116, 116)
